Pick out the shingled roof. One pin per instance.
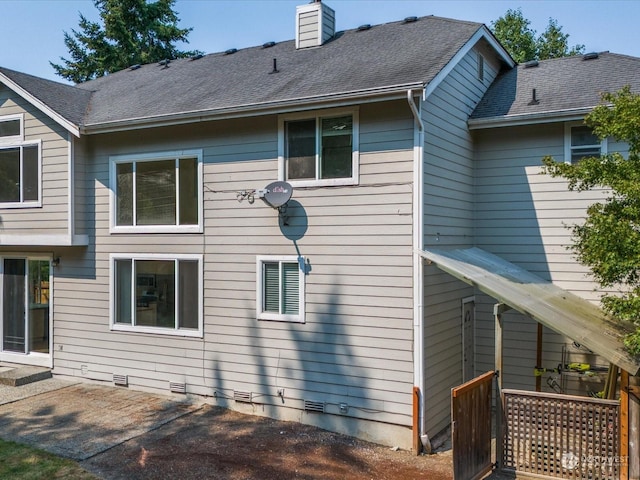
(66, 100)
(562, 85)
(359, 61)
(383, 58)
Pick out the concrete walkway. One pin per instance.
(80, 420)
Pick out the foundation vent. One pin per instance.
(176, 387)
(243, 397)
(121, 380)
(311, 406)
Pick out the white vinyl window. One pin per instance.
(11, 129)
(157, 294)
(280, 289)
(320, 149)
(20, 165)
(157, 192)
(581, 142)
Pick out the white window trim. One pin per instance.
(15, 138)
(567, 141)
(328, 182)
(114, 160)
(277, 317)
(156, 330)
(28, 203)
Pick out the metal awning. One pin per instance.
(566, 313)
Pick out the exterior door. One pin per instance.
(25, 306)
(468, 339)
(14, 319)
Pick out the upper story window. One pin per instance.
(157, 294)
(20, 170)
(580, 142)
(11, 128)
(157, 192)
(320, 149)
(280, 289)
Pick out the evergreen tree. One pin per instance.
(130, 32)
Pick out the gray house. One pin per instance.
(135, 248)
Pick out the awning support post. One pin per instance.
(498, 310)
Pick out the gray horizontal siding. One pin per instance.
(524, 216)
(53, 217)
(448, 220)
(356, 344)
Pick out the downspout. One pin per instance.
(418, 278)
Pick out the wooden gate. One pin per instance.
(560, 436)
(471, 428)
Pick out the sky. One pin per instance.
(32, 31)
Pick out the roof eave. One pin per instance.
(250, 110)
(529, 118)
(40, 105)
(482, 33)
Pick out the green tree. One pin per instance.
(515, 34)
(130, 32)
(552, 43)
(609, 240)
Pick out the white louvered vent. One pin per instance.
(122, 380)
(176, 387)
(311, 406)
(244, 397)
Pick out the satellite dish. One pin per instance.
(276, 194)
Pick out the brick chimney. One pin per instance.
(315, 24)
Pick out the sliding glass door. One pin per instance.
(14, 320)
(25, 305)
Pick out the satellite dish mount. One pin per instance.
(276, 195)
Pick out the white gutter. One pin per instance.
(418, 264)
(529, 118)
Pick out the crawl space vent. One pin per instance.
(178, 387)
(243, 397)
(121, 380)
(311, 406)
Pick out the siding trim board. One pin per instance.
(483, 33)
(45, 240)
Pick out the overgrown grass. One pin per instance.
(20, 462)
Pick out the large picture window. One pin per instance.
(320, 149)
(280, 291)
(158, 294)
(157, 193)
(19, 165)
